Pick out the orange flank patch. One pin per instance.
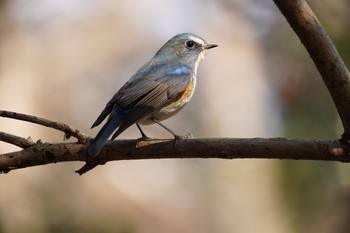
(187, 91)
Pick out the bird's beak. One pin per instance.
(210, 46)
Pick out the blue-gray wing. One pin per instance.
(150, 89)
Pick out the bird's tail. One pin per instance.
(113, 122)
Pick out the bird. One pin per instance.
(157, 91)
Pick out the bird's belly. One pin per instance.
(172, 108)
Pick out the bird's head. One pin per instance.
(186, 47)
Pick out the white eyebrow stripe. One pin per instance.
(197, 40)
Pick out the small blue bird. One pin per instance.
(157, 91)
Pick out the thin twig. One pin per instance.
(16, 140)
(68, 130)
(89, 165)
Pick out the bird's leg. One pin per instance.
(176, 136)
(144, 136)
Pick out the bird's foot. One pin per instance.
(182, 137)
(144, 138)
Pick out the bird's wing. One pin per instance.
(148, 90)
(127, 94)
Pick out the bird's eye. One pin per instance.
(190, 44)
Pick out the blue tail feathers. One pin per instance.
(113, 122)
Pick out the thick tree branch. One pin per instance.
(322, 51)
(68, 130)
(222, 148)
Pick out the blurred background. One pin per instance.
(63, 60)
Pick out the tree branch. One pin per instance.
(324, 54)
(222, 148)
(68, 130)
(15, 140)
